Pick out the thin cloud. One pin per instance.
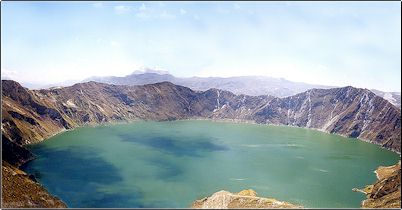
(8, 74)
(143, 7)
(196, 17)
(98, 4)
(114, 44)
(183, 11)
(166, 15)
(121, 9)
(145, 12)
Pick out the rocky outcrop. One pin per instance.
(386, 191)
(242, 200)
(13, 153)
(20, 191)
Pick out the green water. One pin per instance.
(171, 164)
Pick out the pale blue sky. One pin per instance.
(330, 43)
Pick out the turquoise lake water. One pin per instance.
(171, 164)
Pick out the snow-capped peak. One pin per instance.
(149, 70)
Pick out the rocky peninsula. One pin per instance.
(241, 200)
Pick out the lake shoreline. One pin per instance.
(260, 127)
(237, 121)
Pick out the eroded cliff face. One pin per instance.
(241, 200)
(30, 116)
(386, 191)
(348, 111)
(13, 153)
(20, 191)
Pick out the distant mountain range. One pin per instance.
(393, 97)
(248, 85)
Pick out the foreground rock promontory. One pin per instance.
(386, 191)
(243, 199)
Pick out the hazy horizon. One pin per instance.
(147, 70)
(323, 43)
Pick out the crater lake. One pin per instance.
(171, 164)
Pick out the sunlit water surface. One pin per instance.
(171, 164)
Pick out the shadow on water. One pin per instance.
(342, 157)
(105, 200)
(167, 170)
(173, 146)
(75, 174)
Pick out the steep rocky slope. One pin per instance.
(393, 97)
(347, 111)
(20, 191)
(29, 116)
(241, 200)
(13, 153)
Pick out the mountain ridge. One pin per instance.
(237, 84)
(348, 111)
(30, 116)
(248, 85)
